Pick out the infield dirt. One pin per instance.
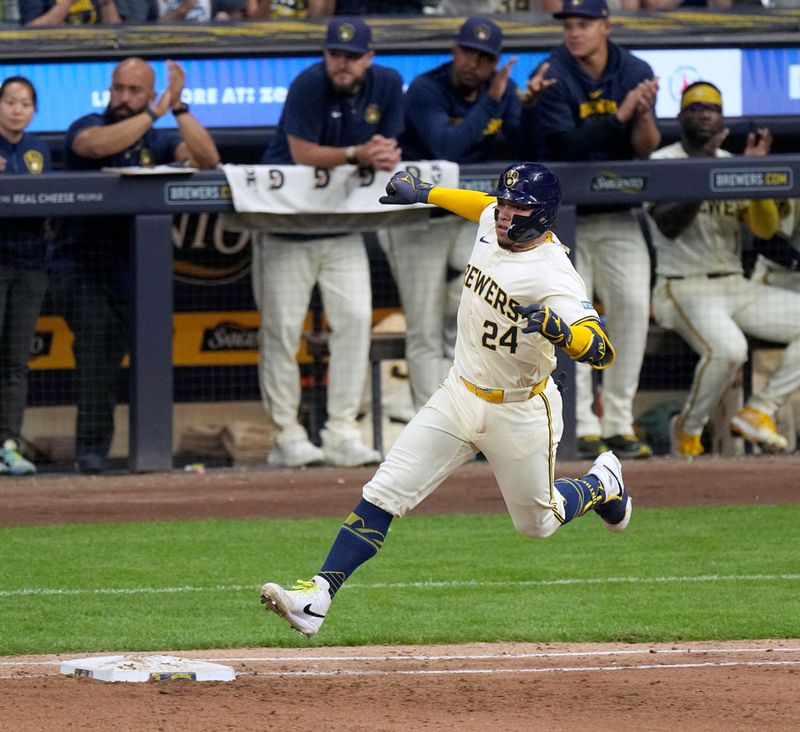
(710, 686)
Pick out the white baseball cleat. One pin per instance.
(617, 508)
(295, 454)
(348, 452)
(304, 606)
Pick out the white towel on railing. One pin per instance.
(301, 189)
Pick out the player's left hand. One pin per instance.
(405, 188)
(541, 319)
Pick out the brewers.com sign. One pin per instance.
(751, 179)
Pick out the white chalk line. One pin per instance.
(489, 671)
(503, 656)
(55, 591)
(337, 658)
(482, 671)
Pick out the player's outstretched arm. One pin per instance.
(583, 341)
(404, 188)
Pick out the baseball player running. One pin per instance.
(521, 299)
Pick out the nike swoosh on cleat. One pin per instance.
(307, 610)
(485, 240)
(617, 478)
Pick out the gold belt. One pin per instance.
(498, 396)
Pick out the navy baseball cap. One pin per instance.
(583, 9)
(348, 34)
(481, 34)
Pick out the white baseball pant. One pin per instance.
(613, 260)
(519, 440)
(713, 316)
(284, 274)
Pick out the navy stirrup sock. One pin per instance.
(359, 539)
(580, 494)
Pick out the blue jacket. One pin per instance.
(441, 125)
(575, 118)
(316, 113)
(21, 240)
(85, 12)
(80, 240)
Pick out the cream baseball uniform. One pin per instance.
(519, 435)
(516, 302)
(701, 293)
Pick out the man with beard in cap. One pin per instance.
(89, 262)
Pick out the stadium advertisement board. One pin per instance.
(249, 92)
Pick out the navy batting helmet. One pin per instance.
(530, 184)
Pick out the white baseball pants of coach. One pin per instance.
(284, 274)
(613, 260)
(518, 439)
(419, 259)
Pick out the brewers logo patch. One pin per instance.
(34, 161)
(372, 114)
(510, 179)
(146, 157)
(482, 32)
(346, 32)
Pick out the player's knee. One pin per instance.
(733, 357)
(385, 499)
(537, 529)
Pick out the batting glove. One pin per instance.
(405, 188)
(541, 319)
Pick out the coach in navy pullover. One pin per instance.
(465, 110)
(89, 263)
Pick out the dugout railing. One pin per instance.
(152, 202)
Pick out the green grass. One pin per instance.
(676, 574)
